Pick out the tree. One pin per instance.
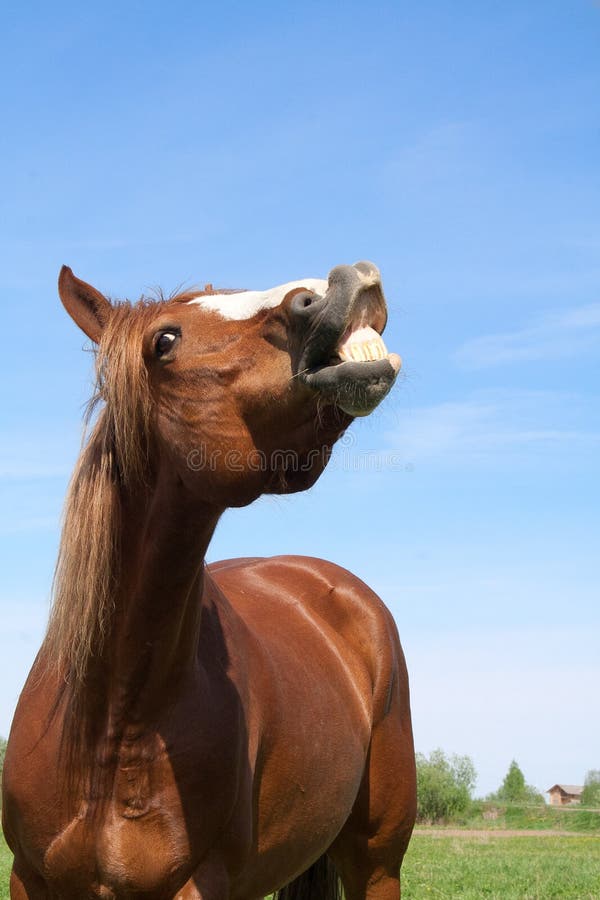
(591, 789)
(444, 786)
(2, 752)
(514, 788)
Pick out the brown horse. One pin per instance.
(221, 732)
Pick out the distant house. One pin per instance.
(564, 794)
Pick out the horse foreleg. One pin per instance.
(210, 881)
(26, 886)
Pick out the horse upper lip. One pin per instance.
(352, 305)
(362, 328)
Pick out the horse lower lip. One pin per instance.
(336, 362)
(354, 387)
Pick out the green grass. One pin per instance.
(5, 866)
(502, 868)
(488, 866)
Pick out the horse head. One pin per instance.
(239, 393)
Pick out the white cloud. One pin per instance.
(22, 627)
(25, 524)
(494, 425)
(26, 455)
(554, 336)
(444, 152)
(14, 469)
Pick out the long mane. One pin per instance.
(114, 463)
(114, 458)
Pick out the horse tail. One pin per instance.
(320, 882)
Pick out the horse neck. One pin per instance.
(159, 595)
(125, 624)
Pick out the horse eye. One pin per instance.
(165, 342)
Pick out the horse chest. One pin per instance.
(134, 849)
(157, 825)
(135, 843)
(142, 853)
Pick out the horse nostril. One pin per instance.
(303, 300)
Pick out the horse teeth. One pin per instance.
(362, 345)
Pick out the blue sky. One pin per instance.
(457, 146)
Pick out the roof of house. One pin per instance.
(575, 789)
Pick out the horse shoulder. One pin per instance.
(289, 594)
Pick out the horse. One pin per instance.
(224, 731)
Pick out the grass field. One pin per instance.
(5, 864)
(483, 866)
(502, 868)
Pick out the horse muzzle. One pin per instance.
(342, 354)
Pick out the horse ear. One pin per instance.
(87, 307)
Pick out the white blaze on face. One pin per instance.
(248, 303)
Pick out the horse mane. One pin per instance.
(114, 462)
(114, 457)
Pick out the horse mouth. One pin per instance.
(359, 370)
(359, 375)
(361, 344)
